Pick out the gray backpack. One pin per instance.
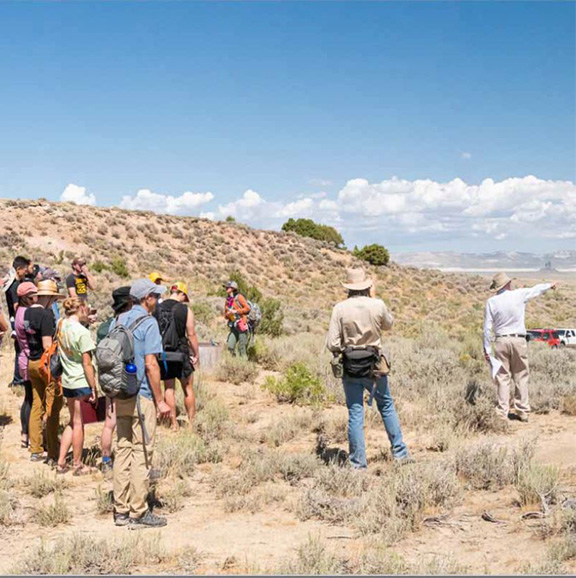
(113, 354)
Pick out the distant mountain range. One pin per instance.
(509, 260)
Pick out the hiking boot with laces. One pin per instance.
(148, 520)
(121, 519)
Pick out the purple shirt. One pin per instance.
(22, 338)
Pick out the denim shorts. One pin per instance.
(81, 392)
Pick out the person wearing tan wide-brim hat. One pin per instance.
(47, 398)
(504, 325)
(48, 288)
(355, 329)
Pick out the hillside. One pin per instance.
(258, 482)
(304, 274)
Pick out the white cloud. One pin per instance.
(466, 156)
(496, 209)
(320, 182)
(397, 211)
(76, 194)
(146, 200)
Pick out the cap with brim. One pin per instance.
(231, 285)
(121, 297)
(26, 288)
(144, 287)
(357, 280)
(181, 287)
(48, 288)
(499, 281)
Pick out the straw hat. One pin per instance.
(357, 280)
(499, 281)
(48, 288)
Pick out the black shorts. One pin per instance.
(176, 369)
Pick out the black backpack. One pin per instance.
(171, 341)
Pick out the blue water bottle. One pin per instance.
(131, 368)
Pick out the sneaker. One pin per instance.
(148, 520)
(523, 417)
(121, 519)
(36, 457)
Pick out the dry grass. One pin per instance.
(236, 370)
(81, 554)
(104, 501)
(42, 483)
(288, 428)
(8, 508)
(53, 514)
(537, 483)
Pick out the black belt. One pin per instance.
(512, 335)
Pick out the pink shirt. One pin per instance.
(22, 338)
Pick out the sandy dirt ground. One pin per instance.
(239, 542)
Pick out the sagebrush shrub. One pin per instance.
(298, 385)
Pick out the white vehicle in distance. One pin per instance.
(567, 337)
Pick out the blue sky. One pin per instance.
(301, 109)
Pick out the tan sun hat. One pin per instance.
(48, 288)
(499, 281)
(357, 280)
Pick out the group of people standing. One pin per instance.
(166, 349)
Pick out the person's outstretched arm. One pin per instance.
(537, 290)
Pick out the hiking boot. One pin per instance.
(121, 519)
(404, 460)
(148, 520)
(36, 457)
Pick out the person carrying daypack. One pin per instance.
(181, 354)
(136, 414)
(236, 310)
(121, 303)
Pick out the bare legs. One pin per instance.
(73, 435)
(187, 384)
(109, 427)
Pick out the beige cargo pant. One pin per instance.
(131, 463)
(512, 353)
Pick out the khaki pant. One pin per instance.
(46, 399)
(133, 460)
(512, 352)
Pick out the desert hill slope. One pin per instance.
(303, 273)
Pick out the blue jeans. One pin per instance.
(354, 390)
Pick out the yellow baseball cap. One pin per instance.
(180, 286)
(155, 277)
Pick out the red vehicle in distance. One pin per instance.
(549, 336)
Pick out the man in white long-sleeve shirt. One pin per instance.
(504, 317)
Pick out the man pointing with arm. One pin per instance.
(504, 318)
